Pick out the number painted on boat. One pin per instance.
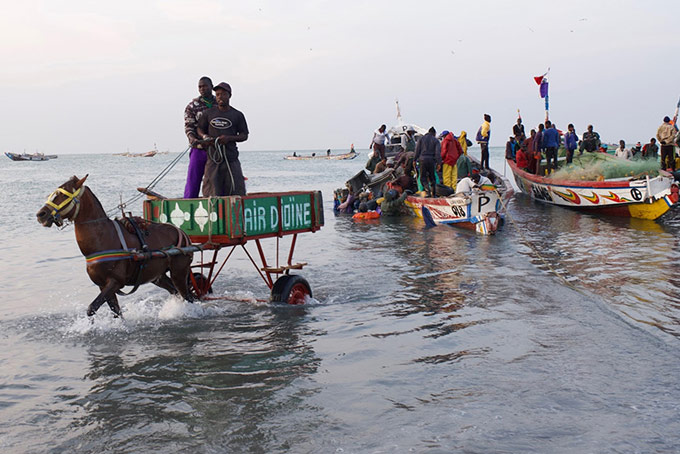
(458, 211)
(636, 194)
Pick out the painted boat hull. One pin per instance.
(481, 211)
(643, 199)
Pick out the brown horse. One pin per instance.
(110, 264)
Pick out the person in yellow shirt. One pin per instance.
(483, 136)
(464, 142)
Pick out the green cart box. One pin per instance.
(235, 219)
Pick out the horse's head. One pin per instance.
(63, 203)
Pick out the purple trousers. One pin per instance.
(197, 160)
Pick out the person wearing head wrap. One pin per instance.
(665, 135)
(636, 151)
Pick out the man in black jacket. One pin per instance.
(429, 157)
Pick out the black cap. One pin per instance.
(223, 86)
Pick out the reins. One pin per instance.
(220, 155)
(122, 205)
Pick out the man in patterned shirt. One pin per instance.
(197, 155)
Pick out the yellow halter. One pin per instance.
(70, 201)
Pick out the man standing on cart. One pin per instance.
(197, 155)
(220, 128)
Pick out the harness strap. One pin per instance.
(138, 270)
(120, 235)
(140, 235)
(108, 256)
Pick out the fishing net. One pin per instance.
(602, 166)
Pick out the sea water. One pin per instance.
(558, 334)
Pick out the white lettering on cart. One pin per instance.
(296, 215)
(274, 217)
(255, 218)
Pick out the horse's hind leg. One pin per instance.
(113, 305)
(180, 267)
(164, 282)
(104, 295)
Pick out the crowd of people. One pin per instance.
(545, 141)
(430, 164)
(434, 165)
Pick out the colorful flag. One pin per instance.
(542, 81)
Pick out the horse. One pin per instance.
(109, 248)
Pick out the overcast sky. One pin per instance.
(105, 77)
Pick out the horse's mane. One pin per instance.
(74, 179)
(96, 199)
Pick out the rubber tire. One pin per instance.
(290, 289)
(200, 279)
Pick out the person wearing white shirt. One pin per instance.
(622, 151)
(466, 184)
(380, 137)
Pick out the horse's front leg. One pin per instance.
(107, 290)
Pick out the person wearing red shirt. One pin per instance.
(451, 151)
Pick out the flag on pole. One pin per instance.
(542, 82)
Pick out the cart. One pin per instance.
(216, 223)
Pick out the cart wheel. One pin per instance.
(201, 287)
(290, 289)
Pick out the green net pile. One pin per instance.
(598, 166)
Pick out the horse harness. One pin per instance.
(132, 224)
(139, 227)
(65, 207)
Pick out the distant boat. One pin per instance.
(148, 154)
(30, 157)
(338, 157)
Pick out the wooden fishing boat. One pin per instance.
(643, 198)
(148, 154)
(30, 157)
(482, 210)
(336, 157)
